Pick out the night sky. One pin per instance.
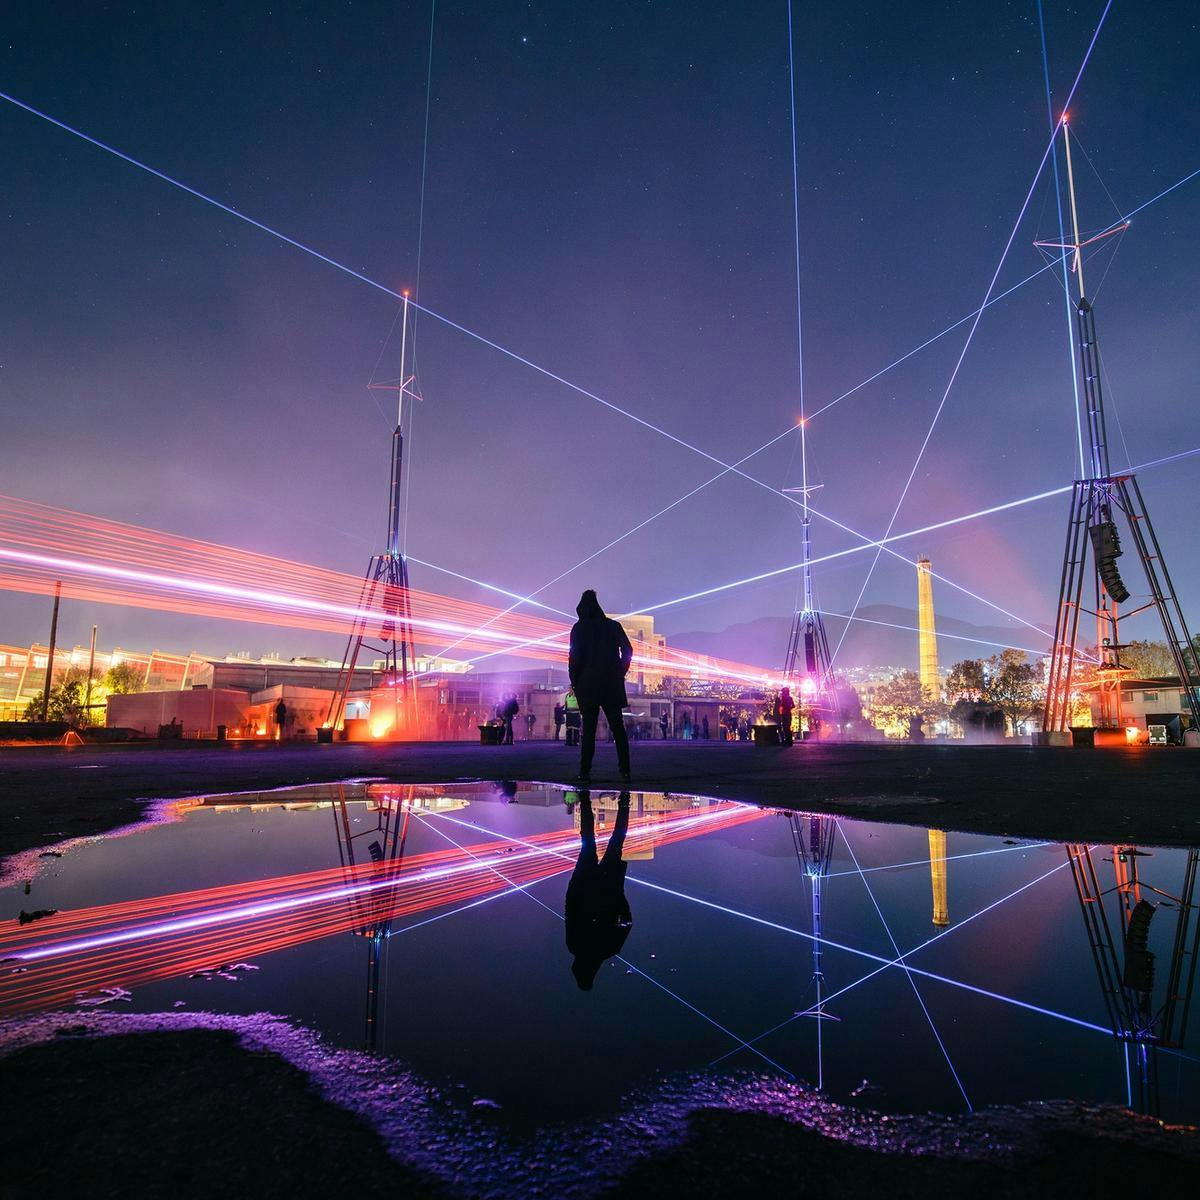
(608, 193)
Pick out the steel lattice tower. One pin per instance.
(807, 665)
(1096, 501)
(384, 607)
(813, 836)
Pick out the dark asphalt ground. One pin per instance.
(1140, 795)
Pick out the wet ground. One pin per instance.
(412, 946)
(1140, 794)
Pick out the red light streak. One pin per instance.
(111, 562)
(139, 941)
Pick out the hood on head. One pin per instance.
(588, 606)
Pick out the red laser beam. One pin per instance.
(78, 953)
(111, 562)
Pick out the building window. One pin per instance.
(1150, 696)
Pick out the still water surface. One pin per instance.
(427, 923)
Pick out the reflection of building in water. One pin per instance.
(937, 876)
(812, 836)
(641, 804)
(1143, 1017)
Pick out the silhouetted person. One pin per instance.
(598, 662)
(663, 722)
(786, 706)
(704, 726)
(597, 913)
(280, 719)
(508, 714)
(560, 715)
(530, 722)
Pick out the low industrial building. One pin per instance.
(1149, 703)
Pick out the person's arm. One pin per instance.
(575, 655)
(624, 649)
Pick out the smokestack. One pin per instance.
(928, 662)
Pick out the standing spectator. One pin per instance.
(530, 722)
(785, 707)
(598, 663)
(281, 714)
(508, 714)
(560, 714)
(705, 728)
(574, 719)
(663, 723)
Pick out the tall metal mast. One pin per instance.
(813, 836)
(1096, 501)
(385, 590)
(807, 665)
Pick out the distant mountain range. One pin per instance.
(764, 641)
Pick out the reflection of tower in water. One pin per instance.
(812, 836)
(1143, 1018)
(381, 842)
(937, 876)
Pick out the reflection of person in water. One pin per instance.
(598, 916)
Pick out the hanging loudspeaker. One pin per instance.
(1106, 545)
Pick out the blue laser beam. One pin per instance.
(924, 862)
(512, 354)
(897, 537)
(860, 953)
(957, 637)
(617, 540)
(971, 333)
(854, 950)
(742, 1044)
(909, 953)
(905, 968)
(1062, 237)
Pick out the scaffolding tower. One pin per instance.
(384, 610)
(1143, 1018)
(380, 843)
(813, 836)
(1097, 501)
(808, 667)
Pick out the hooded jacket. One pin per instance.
(600, 655)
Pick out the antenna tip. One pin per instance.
(802, 422)
(405, 293)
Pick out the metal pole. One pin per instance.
(50, 656)
(403, 360)
(1074, 212)
(87, 699)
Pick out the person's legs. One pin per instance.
(591, 717)
(616, 722)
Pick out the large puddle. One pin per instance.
(478, 934)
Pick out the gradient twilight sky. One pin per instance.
(609, 195)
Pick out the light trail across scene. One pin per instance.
(896, 537)
(532, 365)
(974, 326)
(112, 562)
(901, 959)
(885, 963)
(742, 1044)
(160, 937)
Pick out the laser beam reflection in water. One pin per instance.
(426, 922)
